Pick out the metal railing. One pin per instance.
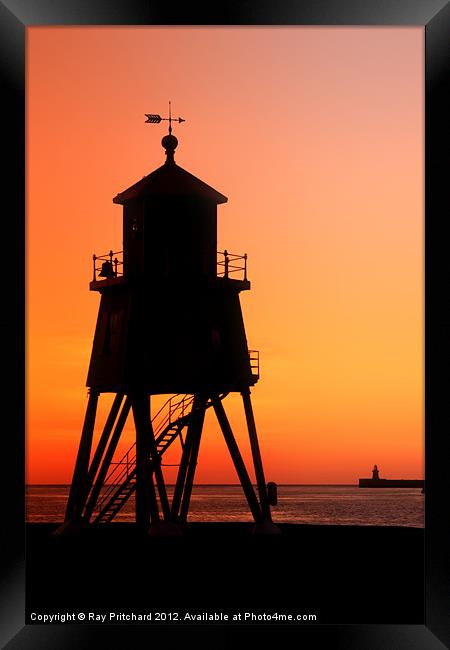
(254, 361)
(107, 266)
(110, 265)
(177, 406)
(231, 263)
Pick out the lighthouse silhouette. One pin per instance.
(169, 323)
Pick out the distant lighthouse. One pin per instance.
(377, 482)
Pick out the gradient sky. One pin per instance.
(316, 137)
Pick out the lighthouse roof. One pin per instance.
(170, 179)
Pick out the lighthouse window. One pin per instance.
(112, 331)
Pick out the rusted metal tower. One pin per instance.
(169, 322)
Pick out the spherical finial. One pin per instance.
(170, 143)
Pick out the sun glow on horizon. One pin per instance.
(315, 135)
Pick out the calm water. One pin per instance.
(302, 504)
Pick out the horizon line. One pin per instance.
(203, 484)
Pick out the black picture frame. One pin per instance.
(433, 15)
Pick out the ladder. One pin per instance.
(121, 481)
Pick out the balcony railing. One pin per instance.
(231, 264)
(107, 266)
(110, 265)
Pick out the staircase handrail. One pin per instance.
(182, 405)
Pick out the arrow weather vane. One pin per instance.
(156, 119)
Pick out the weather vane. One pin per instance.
(156, 119)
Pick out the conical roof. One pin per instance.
(170, 179)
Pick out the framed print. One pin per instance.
(227, 229)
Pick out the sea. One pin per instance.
(346, 505)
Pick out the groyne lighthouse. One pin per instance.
(169, 323)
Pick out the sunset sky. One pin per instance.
(315, 135)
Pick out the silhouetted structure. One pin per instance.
(169, 322)
(377, 482)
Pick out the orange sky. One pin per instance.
(316, 137)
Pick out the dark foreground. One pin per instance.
(340, 574)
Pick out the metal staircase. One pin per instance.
(121, 481)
